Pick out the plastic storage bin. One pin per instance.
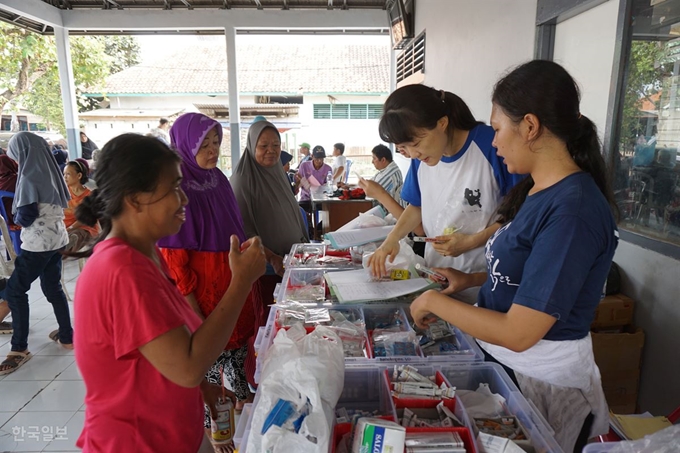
(469, 376)
(243, 421)
(372, 315)
(319, 256)
(600, 447)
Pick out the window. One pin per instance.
(412, 60)
(646, 162)
(347, 111)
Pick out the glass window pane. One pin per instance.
(647, 165)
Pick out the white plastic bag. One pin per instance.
(405, 259)
(664, 441)
(300, 369)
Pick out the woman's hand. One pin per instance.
(211, 394)
(371, 188)
(388, 249)
(422, 316)
(247, 261)
(454, 244)
(276, 262)
(297, 178)
(457, 280)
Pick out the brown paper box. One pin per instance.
(618, 355)
(621, 394)
(613, 311)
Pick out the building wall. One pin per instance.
(470, 44)
(584, 45)
(651, 279)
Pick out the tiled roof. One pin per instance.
(262, 69)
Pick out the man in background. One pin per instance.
(161, 131)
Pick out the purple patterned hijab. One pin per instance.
(212, 213)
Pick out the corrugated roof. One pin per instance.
(169, 4)
(262, 69)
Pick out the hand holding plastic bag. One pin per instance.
(404, 258)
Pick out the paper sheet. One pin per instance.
(373, 291)
(350, 238)
(313, 181)
(638, 427)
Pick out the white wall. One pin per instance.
(584, 45)
(470, 44)
(653, 281)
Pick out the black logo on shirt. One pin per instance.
(473, 197)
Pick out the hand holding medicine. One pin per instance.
(419, 311)
(457, 280)
(388, 249)
(212, 393)
(454, 244)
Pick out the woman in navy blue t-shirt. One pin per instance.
(548, 263)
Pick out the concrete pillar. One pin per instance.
(234, 105)
(68, 91)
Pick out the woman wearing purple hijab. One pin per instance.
(198, 256)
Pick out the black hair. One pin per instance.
(340, 147)
(128, 164)
(413, 107)
(382, 152)
(545, 89)
(163, 121)
(80, 168)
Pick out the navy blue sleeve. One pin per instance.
(484, 138)
(561, 259)
(410, 191)
(26, 215)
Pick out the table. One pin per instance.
(334, 212)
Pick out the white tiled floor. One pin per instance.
(47, 392)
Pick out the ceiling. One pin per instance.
(222, 4)
(168, 5)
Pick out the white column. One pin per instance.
(234, 106)
(68, 91)
(393, 70)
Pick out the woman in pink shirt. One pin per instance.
(142, 350)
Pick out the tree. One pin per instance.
(123, 49)
(650, 63)
(29, 74)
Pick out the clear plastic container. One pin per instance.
(366, 389)
(602, 447)
(319, 256)
(468, 376)
(373, 316)
(243, 421)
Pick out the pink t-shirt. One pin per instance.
(122, 302)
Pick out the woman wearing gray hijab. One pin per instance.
(39, 203)
(267, 204)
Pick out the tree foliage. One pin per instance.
(29, 75)
(651, 62)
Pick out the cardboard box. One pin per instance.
(621, 393)
(613, 311)
(618, 354)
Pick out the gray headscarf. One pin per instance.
(39, 180)
(264, 197)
